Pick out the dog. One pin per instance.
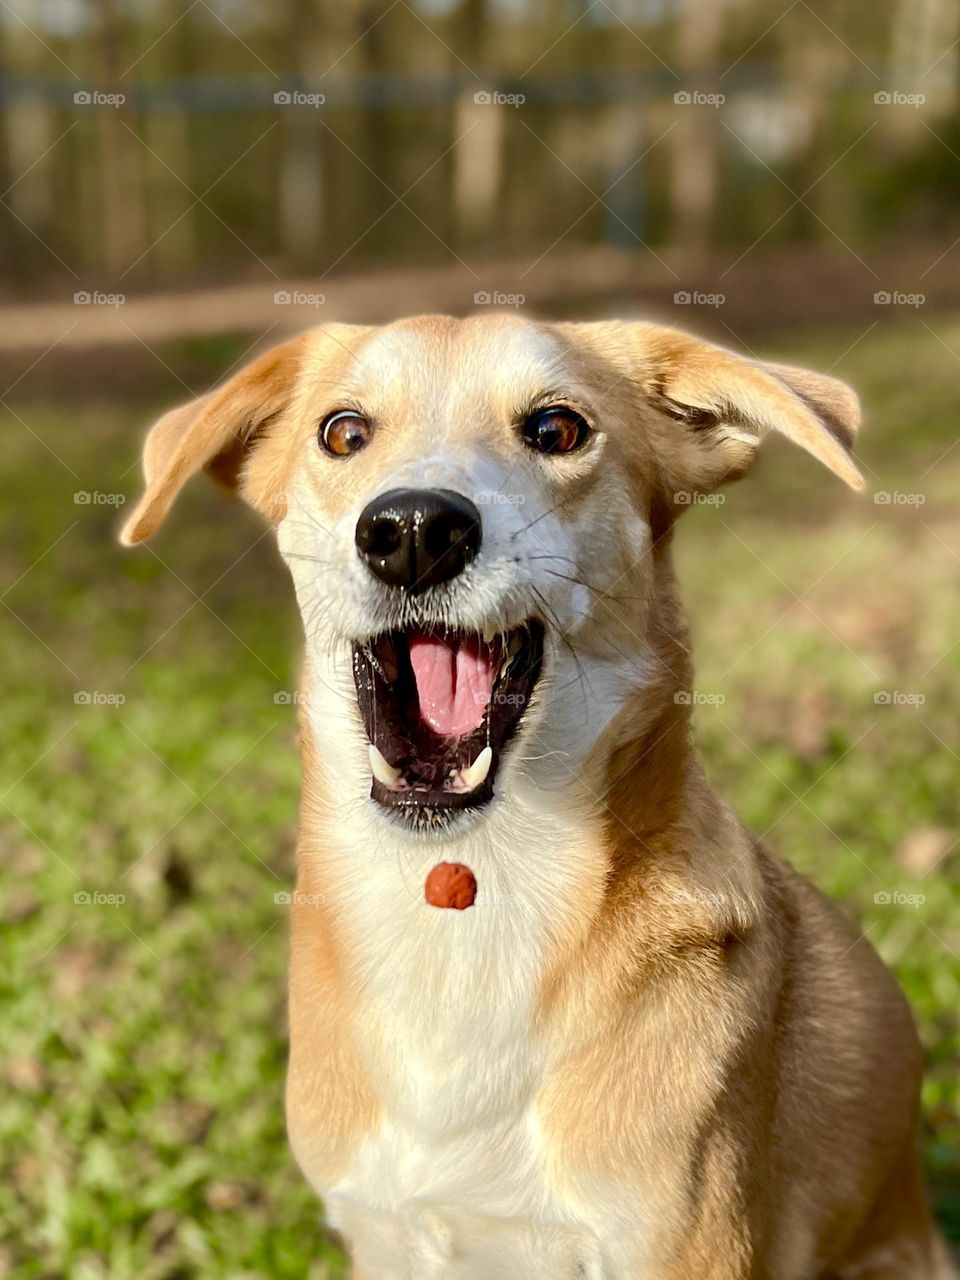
(648, 1049)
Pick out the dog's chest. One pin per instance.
(457, 1181)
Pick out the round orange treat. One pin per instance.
(451, 884)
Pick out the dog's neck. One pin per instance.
(640, 834)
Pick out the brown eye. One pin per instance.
(344, 433)
(556, 430)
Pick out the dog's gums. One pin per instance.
(439, 708)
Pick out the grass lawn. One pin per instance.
(150, 776)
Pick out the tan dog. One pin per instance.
(649, 1049)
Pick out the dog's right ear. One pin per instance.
(712, 407)
(216, 431)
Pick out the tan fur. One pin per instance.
(718, 1036)
(214, 431)
(331, 1106)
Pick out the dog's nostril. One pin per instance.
(416, 538)
(442, 535)
(384, 538)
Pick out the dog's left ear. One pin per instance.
(217, 431)
(715, 407)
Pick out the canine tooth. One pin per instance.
(382, 770)
(477, 772)
(490, 632)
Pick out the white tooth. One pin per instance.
(477, 772)
(490, 632)
(382, 770)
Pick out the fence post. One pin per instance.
(478, 128)
(121, 162)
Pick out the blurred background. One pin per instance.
(183, 184)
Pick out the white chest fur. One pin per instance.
(457, 1183)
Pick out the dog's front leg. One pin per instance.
(376, 1240)
(449, 1243)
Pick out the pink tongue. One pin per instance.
(454, 683)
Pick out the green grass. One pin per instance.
(143, 1132)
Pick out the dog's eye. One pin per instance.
(556, 430)
(344, 433)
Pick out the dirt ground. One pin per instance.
(719, 296)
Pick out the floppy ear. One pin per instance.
(216, 431)
(716, 407)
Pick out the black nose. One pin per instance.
(415, 538)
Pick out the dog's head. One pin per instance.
(474, 513)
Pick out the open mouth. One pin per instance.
(439, 708)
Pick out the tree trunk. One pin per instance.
(925, 55)
(121, 163)
(169, 134)
(302, 187)
(477, 159)
(695, 138)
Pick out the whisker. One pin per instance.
(552, 557)
(550, 510)
(302, 555)
(601, 595)
(584, 680)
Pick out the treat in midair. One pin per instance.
(451, 884)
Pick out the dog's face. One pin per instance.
(469, 510)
